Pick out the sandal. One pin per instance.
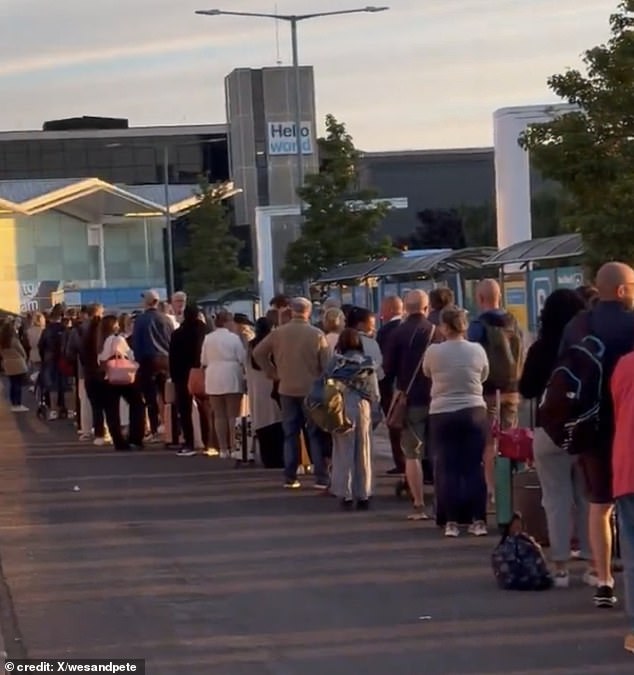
(418, 514)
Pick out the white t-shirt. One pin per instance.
(115, 345)
(457, 369)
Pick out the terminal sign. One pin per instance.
(283, 138)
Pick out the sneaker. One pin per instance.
(363, 505)
(19, 408)
(321, 486)
(604, 597)
(292, 484)
(561, 579)
(85, 436)
(478, 529)
(154, 439)
(590, 578)
(52, 415)
(451, 530)
(99, 441)
(628, 645)
(186, 452)
(211, 452)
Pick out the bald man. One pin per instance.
(612, 321)
(402, 363)
(392, 316)
(496, 329)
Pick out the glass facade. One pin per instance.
(133, 160)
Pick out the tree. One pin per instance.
(210, 259)
(340, 219)
(590, 150)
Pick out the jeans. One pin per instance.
(563, 497)
(293, 421)
(151, 379)
(15, 389)
(625, 510)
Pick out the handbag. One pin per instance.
(196, 382)
(121, 371)
(396, 417)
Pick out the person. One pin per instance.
(150, 343)
(179, 302)
(560, 475)
(402, 364)
(266, 415)
(352, 450)
(458, 425)
(364, 321)
(50, 348)
(223, 356)
(622, 389)
(111, 345)
(33, 335)
(13, 357)
(439, 298)
(334, 322)
(94, 376)
(184, 354)
(611, 320)
(392, 317)
(243, 327)
(296, 354)
(499, 333)
(328, 304)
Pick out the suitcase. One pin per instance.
(527, 499)
(244, 451)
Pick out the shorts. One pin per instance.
(414, 433)
(597, 471)
(509, 409)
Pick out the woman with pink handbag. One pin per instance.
(117, 361)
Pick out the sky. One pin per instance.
(426, 74)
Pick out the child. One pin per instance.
(622, 385)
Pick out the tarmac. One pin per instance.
(199, 567)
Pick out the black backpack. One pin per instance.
(570, 407)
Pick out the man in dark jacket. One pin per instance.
(150, 344)
(184, 354)
(392, 317)
(50, 348)
(402, 364)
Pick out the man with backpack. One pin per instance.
(499, 333)
(577, 409)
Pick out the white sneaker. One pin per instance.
(211, 452)
(52, 415)
(590, 578)
(478, 529)
(99, 442)
(561, 579)
(154, 439)
(451, 530)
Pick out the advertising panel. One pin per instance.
(282, 139)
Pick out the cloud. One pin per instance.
(424, 74)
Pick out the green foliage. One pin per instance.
(210, 261)
(334, 230)
(590, 151)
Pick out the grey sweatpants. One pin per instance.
(563, 497)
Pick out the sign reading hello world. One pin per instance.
(282, 138)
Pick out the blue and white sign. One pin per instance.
(282, 139)
(542, 285)
(569, 277)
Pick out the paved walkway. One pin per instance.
(201, 568)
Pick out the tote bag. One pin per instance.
(120, 371)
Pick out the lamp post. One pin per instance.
(166, 185)
(293, 20)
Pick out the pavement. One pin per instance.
(198, 567)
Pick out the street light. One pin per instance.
(166, 185)
(294, 19)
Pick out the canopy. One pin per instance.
(536, 250)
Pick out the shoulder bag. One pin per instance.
(396, 417)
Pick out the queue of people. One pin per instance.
(437, 380)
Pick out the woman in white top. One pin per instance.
(115, 346)
(458, 425)
(223, 357)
